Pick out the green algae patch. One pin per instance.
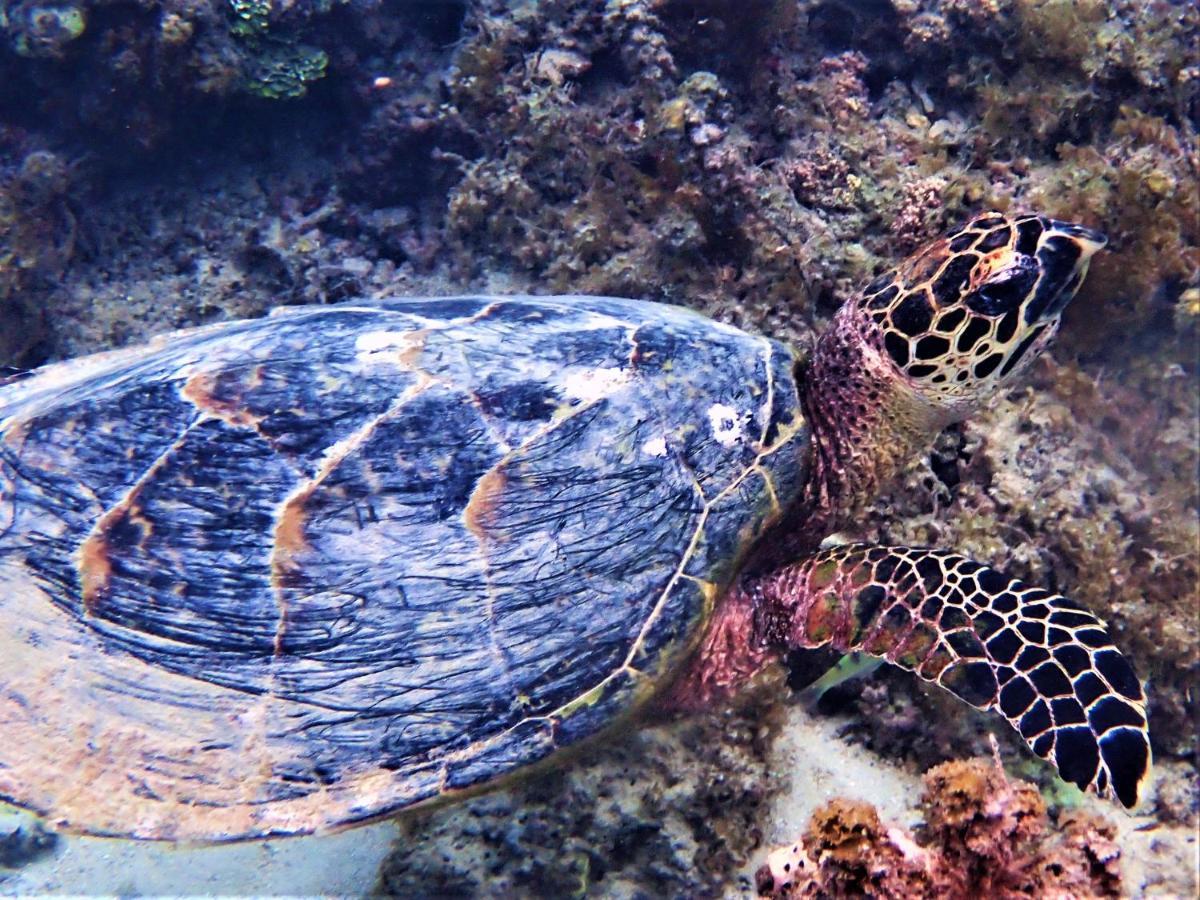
(44, 31)
(251, 18)
(284, 71)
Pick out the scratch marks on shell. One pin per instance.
(756, 467)
(467, 591)
(629, 666)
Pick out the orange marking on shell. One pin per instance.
(17, 433)
(95, 557)
(95, 570)
(202, 390)
(482, 504)
(413, 349)
(289, 530)
(290, 543)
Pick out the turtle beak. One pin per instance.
(1089, 240)
(1063, 254)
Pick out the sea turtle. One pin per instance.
(274, 576)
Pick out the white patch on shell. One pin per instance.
(655, 447)
(590, 385)
(727, 424)
(375, 346)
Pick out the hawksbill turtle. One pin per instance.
(275, 576)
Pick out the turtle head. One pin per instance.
(966, 313)
(925, 343)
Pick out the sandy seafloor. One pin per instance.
(679, 152)
(807, 759)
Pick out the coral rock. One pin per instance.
(983, 836)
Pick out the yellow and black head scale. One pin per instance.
(964, 314)
(926, 343)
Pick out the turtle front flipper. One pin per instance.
(1045, 664)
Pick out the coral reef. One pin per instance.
(37, 238)
(140, 76)
(42, 30)
(273, 64)
(982, 836)
(283, 70)
(169, 162)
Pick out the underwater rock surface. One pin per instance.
(173, 162)
(671, 810)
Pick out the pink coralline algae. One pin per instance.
(983, 836)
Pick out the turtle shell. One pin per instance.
(272, 576)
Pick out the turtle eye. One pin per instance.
(1005, 290)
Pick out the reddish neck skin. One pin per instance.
(867, 423)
